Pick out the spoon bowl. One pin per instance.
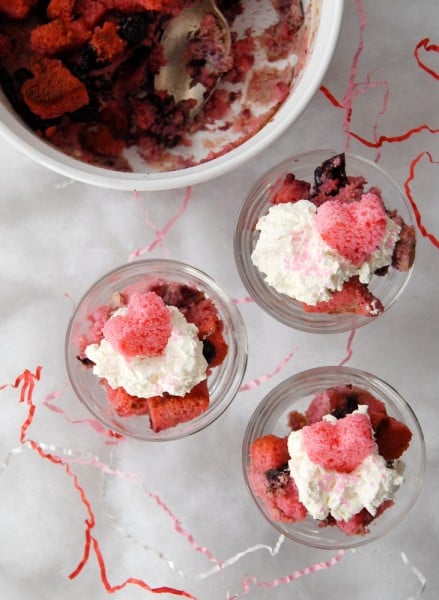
(174, 77)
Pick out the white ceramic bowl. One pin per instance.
(323, 20)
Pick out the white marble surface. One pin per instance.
(171, 514)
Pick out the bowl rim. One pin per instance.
(237, 325)
(24, 140)
(320, 373)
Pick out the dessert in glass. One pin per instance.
(334, 457)
(156, 350)
(325, 242)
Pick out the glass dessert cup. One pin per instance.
(223, 381)
(386, 288)
(296, 393)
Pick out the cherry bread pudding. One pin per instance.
(323, 243)
(81, 74)
(153, 347)
(339, 465)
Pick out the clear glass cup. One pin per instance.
(296, 393)
(288, 311)
(223, 382)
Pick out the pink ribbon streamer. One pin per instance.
(160, 234)
(349, 348)
(254, 383)
(252, 580)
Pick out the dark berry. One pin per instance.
(197, 62)
(190, 295)
(278, 478)
(209, 351)
(351, 404)
(85, 361)
(40, 9)
(333, 169)
(9, 86)
(22, 75)
(99, 83)
(86, 114)
(133, 29)
(381, 271)
(169, 140)
(87, 60)
(138, 56)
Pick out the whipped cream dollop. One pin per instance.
(342, 495)
(296, 261)
(176, 371)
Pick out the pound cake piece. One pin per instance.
(59, 36)
(270, 480)
(163, 411)
(359, 523)
(53, 91)
(168, 411)
(405, 249)
(269, 452)
(355, 297)
(16, 9)
(124, 403)
(291, 190)
(393, 438)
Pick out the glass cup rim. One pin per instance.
(312, 381)
(277, 305)
(165, 269)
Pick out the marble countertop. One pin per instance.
(84, 514)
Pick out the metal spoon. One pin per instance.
(173, 76)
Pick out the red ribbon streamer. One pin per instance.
(433, 239)
(27, 381)
(428, 48)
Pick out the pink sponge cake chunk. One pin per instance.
(144, 330)
(269, 452)
(339, 446)
(123, 403)
(353, 229)
(96, 320)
